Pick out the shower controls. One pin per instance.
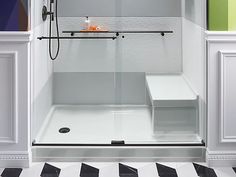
(45, 13)
(64, 130)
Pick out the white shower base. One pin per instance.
(102, 124)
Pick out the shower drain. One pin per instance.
(64, 130)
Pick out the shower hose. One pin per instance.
(50, 34)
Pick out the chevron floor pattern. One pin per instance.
(134, 169)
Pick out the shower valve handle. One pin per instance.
(45, 13)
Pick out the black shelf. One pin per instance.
(119, 31)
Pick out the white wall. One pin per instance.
(135, 53)
(110, 8)
(195, 11)
(41, 69)
(194, 64)
(119, 63)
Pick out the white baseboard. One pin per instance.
(15, 159)
(221, 158)
(118, 154)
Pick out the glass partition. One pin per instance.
(124, 74)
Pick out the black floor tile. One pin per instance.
(165, 171)
(203, 171)
(127, 171)
(50, 171)
(234, 168)
(88, 171)
(11, 172)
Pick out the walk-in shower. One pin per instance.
(129, 73)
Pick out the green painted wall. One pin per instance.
(218, 15)
(232, 15)
(221, 15)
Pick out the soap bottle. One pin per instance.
(87, 23)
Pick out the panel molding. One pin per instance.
(221, 158)
(224, 55)
(14, 155)
(15, 159)
(12, 55)
(220, 36)
(6, 36)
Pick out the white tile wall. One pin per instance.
(131, 8)
(135, 53)
(99, 88)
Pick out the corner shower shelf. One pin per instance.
(118, 32)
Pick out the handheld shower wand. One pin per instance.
(45, 13)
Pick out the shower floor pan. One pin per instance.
(92, 128)
(106, 125)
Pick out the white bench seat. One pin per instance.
(171, 88)
(174, 105)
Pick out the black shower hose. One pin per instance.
(50, 34)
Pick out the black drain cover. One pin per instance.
(64, 130)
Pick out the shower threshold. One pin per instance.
(107, 125)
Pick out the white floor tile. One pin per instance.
(33, 171)
(186, 170)
(111, 170)
(225, 172)
(1, 170)
(72, 170)
(149, 170)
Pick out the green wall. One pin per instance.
(221, 15)
(232, 15)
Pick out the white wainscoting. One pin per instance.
(8, 97)
(227, 96)
(221, 98)
(15, 99)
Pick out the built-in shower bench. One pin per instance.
(174, 103)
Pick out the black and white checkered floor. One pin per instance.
(118, 170)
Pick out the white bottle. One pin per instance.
(87, 23)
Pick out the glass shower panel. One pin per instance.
(149, 76)
(121, 75)
(91, 87)
(136, 51)
(83, 78)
